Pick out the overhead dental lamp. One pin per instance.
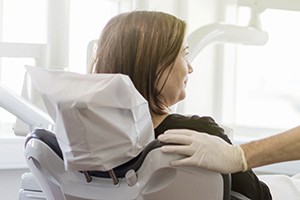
(227, 33)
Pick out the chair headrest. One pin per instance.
(101, 120)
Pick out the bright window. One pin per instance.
(20, 22)
(24, 21)
(88, 17)
(267, 82)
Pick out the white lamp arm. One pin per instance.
(24, 110)
(224, 33)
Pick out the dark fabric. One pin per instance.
(245, 183)
(134, 164)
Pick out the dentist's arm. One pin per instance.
(278, 148)
(213, 153)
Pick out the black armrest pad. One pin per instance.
(47, 137)
(134, 164)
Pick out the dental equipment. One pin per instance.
(152, 178)
(227, 33)
(24, 110)
(224, 33)
(18, 105)
(292, 5)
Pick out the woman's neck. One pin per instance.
(157, 119)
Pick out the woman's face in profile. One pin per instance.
(174, 89)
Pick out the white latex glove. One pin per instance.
(204, 150)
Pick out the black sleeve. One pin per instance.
(194, 122)
(246, 183)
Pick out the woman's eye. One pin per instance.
(186, 56)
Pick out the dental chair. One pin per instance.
(145, 176)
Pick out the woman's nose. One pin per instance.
(190, 68)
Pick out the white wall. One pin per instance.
(12, 166)
(10, 182)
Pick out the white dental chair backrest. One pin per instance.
(152, 177)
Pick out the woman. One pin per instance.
(150, 48)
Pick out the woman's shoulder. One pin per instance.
(193, 122)
(189, 120)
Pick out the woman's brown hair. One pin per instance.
(142, 45)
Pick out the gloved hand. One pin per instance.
(204, 150)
